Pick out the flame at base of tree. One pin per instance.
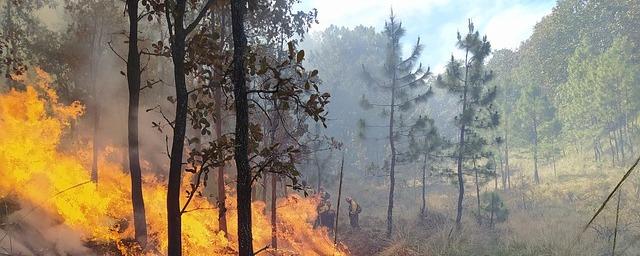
(37, 173)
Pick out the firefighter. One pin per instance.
(354, 211)
(325, 213)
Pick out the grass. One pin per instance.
(545, 219)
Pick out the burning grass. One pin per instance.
(57, 184)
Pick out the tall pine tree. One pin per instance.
(404, 81)
(467, 78)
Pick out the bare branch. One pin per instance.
(201, 15)
(115, 52)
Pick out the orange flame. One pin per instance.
(35, 170)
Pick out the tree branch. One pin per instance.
(201, 15)
(115, 52)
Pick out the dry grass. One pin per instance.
(545, 219)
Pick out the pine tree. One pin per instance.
(467, 78)
(425, 142)
(534, 110)
(404, 82)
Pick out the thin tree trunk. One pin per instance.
(245, 239)
(10, 34)
(595, 151)
(392, 178)
(613, 152)
(133, 80)
(495, 191)
(217, 94)
(461, 145)
(629, 136)
(335, 226)
(621, 143)
(274, 228)
(506, 153)
(553, 160)
(264, 188)
(615, 230)
(535, 151)
(475, 170)
(423, 210)
(503, 174)
(96, 105)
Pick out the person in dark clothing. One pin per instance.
(354, 211)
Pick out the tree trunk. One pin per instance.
(133, 80)
(96, 110)
(613, 151)
(218, 106)
(245, 240)
(475, 170)
(222, 196)
(174, 218)
(629, 136)
(274, 197)
(504, 176)
(621, 143)
(319, 167)
(264, 188)
(461, 145)
(595, 151)
(392, 178)
(535, 150)
(10, 34)
(506, 154)
(553, 160)
(423, 210)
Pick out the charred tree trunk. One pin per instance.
(245, 243)
(274, 197)
(178, 49)
(133, 80)
(95, 108)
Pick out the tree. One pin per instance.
(534, 110)
(595, 103)
(405, 86)
(340, 52)
(243, 187)
(20, 31)
(175, 13)
(468, 78)
(133, 80)
(504, 63)
(425, 143)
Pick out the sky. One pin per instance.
(505, 22)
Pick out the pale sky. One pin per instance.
(505, 22)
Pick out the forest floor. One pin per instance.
(544, 219)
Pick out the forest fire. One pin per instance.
(42, 178)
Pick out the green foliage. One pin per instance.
(598, 96)
(403, 82)
(492, 204)
(468, 78)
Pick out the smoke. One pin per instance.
(31, 231)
